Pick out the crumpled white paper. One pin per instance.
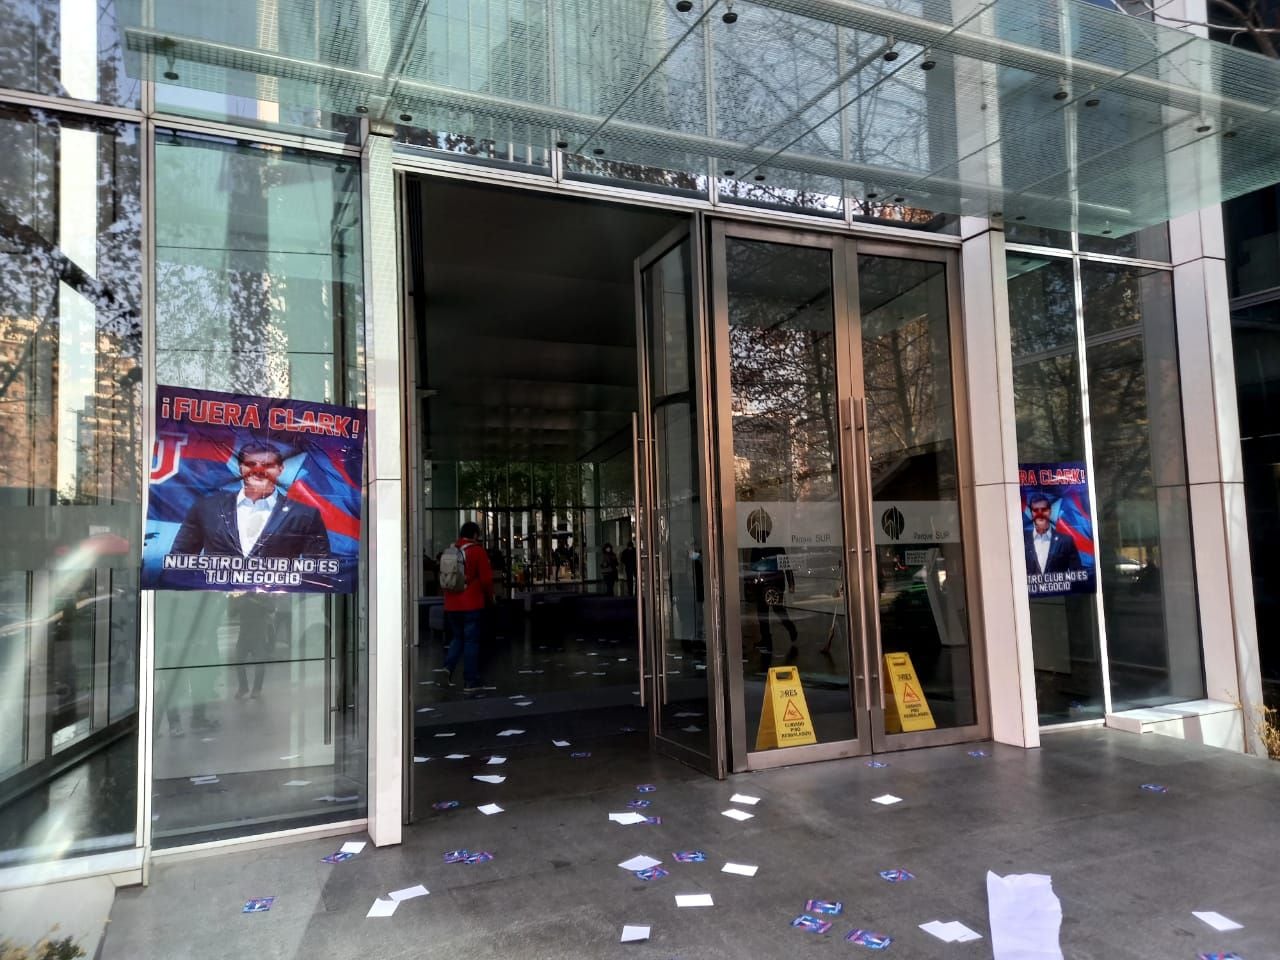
(1025, 917)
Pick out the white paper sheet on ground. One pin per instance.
(489, 809)
(694, 900)
(421, 759)
(1025, 917)
(736, 814)
(494, 761)
(741, 869)
(885, 799)
(456, 756)
(560, 743)
(489, 778)
(952, 931)
(1214, 919)
(353, 846)
(639, 862)
(510, 733)
(408, 893)
(744, 798)
(382, 908)
(630, 934)
(627, 818)
(298, 783)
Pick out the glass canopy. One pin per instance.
(1059, 113)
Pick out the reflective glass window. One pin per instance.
(70, 484)
(1046, 388)
(65, 48)
(1146, 567)
(258, 291)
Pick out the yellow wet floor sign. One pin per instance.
(784, 720)
(905, 708)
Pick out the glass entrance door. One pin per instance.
(841, 487)
(680, 671)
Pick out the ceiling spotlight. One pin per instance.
(1106, 233)
(1203, 128)
(1229, 134)
(899, 199)
(1020, 217)
(684, 6)
(890, 55)
(406, 117)
(729, 16)
(562, 144)
(1061, 94)
(871, 194)
(598, 151)
(928, 63)
(1092, 102)
(171, 74)
(729, 173)
(362, 109)
(759, 177)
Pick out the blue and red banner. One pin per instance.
(253, 493)
(1057, 529)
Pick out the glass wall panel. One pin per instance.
(1144, 534)
(1255, 333)
(1252, 225)
(1149, 244)
(788, 535)
(65, 48)
(70, 483)
(260, 699)
(1046, 388)
(915, 486)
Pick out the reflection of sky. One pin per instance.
(77, 343)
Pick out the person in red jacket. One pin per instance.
(464, 609)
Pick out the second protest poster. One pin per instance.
(1057, 529)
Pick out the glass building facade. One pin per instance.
(813, 345)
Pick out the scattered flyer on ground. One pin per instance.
(830, 908)
(338, 857)
(1216, 920)
(897, 876)
(865, 938)
(253, 494)
(632, 933)
(811, 924)
(258, 905)
(689, 856)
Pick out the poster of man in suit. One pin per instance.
(253, 494)
(1057, 529)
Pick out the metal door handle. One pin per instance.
(641, 553)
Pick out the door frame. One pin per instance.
(856, 499)
(652, 652)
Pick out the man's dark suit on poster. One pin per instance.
(1062, 556)
(293, 530)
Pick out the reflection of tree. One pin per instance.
(44, 287)
(784, 432)
(1046, 381)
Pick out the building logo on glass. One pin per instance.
(759, 525)
(893, 523)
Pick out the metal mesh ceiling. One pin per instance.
(1056, 112)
